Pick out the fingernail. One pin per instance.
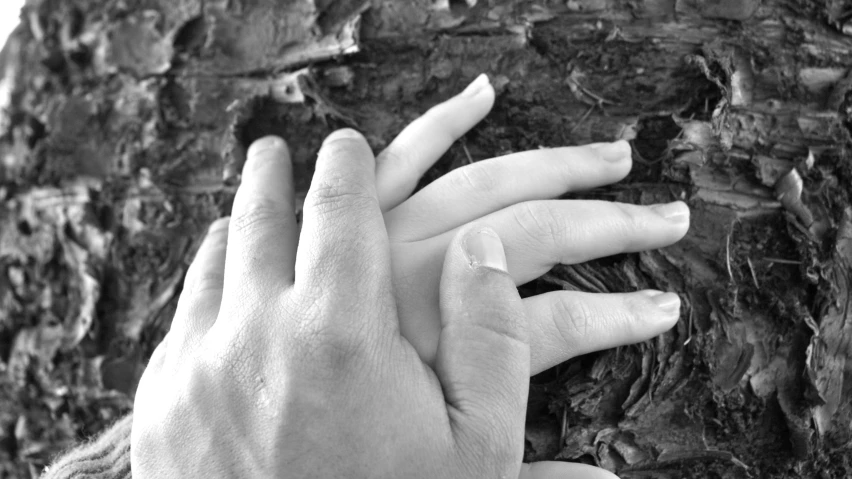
(262, 152)
(676, 212)
(668, 302)
(485, 250)
(613, 152)
(266, 143)
(476, 86)
(343, 134)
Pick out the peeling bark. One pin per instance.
(125, 123)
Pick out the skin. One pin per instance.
(387, 337)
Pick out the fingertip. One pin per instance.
(617, 152)
(627, 159)
(480, 86)
(343, 134)
(218, 225)
(263, 151)
(344, 144)
(677, 213)
(476, 101)
(559, 470)
(266, 143)
(624, 147)
(425, 140)
(669, 304)
(665, 306)
(345, 156)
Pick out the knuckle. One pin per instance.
(574, 318)
(443, 122)
(631, 219)
(636, 313)
(338, 194)
(434, 119)
(478, 177)
(540, 223)
(398, 157)
(255, 213)
(198, 282)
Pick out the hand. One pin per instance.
(295, 366)
(507, 193)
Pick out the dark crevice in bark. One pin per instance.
(191, 37)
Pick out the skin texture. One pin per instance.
(513, 195)
(392, 338)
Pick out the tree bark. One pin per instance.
(124, 125)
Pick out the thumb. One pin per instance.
(561, 470)
(483, 356)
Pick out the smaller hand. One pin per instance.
(513, 194)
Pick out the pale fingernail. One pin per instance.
(262, 151)
(342, 134)
(476, 86)
(676, 212)
(613, 152)
(265, 143)
(669, 303)
(485, 250)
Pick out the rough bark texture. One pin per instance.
(125, 123)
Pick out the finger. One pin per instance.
(563, 470)
(567, 324)
(263, 231)
(345, 247)
(536, 236)
(483, 354)
(426, 139)
(199, 302)
(562, 325)
(476, 190)
(541, 234)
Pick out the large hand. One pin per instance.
(510, 194)
(295, 366)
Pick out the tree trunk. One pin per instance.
(125, 122)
